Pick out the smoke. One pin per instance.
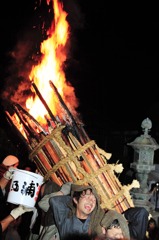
(16, 86)
(26, 53)
(75, 16)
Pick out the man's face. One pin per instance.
(86, 204)
(114, 233)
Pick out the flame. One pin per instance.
(54, 54)
(16, 121)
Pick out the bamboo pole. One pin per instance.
(70, 155)
(44, 102)
(90, 165)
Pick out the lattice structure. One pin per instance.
(64, 152)
(63, 160)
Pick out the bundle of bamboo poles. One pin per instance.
(66, 153)
(68, 160)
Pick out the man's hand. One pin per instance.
(16, 212)
(44, 202)
(66, 188)
(9, 173)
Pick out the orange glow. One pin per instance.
(14, 118)
(54, 54)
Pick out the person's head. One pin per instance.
(30, 166)
(84, 200)
(113, 231)
(10, 161)
(152, 224)
(115, 226)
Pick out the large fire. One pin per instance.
(58, 143)
(50, 68)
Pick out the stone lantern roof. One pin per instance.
(145, 140)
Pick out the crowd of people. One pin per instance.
(68, 212)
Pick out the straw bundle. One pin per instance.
(63, 158)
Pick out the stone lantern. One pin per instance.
(143, 163)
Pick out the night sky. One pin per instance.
(114, 62)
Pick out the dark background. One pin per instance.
(113, 65)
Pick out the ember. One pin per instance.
(54, 134)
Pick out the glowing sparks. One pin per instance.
(54, 54)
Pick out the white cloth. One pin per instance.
(33, 219)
